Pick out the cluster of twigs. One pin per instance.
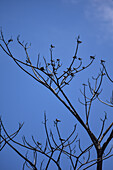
(94, 93)
(52, 145)
(62, 146)
(49, 74)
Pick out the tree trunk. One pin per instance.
(99, 160)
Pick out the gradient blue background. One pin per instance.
(56, 22)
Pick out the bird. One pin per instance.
(52, 46)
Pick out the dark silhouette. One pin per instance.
(49, 76)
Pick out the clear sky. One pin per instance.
(45, 22)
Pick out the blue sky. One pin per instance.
(42, 23)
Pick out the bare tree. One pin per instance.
(48, 75)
